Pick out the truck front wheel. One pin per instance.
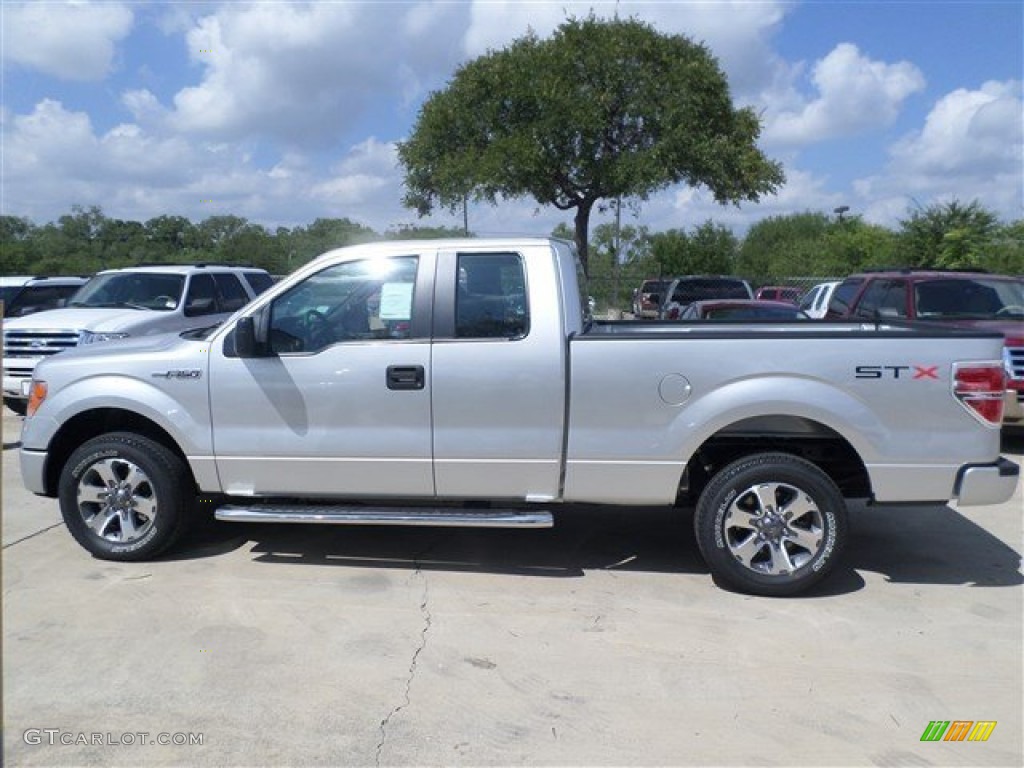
(771, 524)
(125, 497)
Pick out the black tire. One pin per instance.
(126, 497)
(18, 406)
(771, 524)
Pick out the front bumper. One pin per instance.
(17, 376)
(33, 470)
(980, 484)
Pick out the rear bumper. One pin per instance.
(979, 484)
(1013, 407)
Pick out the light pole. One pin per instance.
(840, 211)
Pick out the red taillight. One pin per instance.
(979, 386)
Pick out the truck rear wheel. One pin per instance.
(125, 497)
(771, 524)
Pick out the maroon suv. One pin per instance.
(959, 299)
(648, 297)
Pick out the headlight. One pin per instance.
(88, 337)
(37, 393)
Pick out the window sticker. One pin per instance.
(396, 301)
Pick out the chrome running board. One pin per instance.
(355, 515)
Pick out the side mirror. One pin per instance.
(202, 306)
(245, 337)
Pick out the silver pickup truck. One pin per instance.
(462, 383)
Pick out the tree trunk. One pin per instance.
(583, 232)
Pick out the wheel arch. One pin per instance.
(97, 421)
(800, 436)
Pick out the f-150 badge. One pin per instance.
(193, 373)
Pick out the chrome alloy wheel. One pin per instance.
(117, 500)
(773, 528)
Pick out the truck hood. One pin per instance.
(118, 355)
(95, 319)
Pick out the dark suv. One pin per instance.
(23, 295)
(683, 291)
(957, 299)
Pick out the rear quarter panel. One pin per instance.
(642, 405)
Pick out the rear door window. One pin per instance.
(258, 281)
(201, 298)
(230, 292)
(871, 299)
(490, 298)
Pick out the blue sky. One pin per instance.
(286, 112)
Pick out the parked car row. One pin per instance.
(683, 291)
(961, 299)
(974, 300)
(121, 303)
(743, 309)
(786, 293)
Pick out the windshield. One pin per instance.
(977, 298)
(654, 286)
(8, 292)
(138, 290)
(688, 291)
(754, 313)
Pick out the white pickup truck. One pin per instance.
(462, 382)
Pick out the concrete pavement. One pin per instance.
(600, 642)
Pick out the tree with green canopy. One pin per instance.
(600, 110)
(949, 235)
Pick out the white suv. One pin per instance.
(815, 301)
(118, 303)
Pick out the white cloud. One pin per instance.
(305, 74)
(971, 147)
(737, 33)
(71, 41)
(854, 95)
(144, 106)
(309, 73)
(976, 133)
(366, 179)
(55, 158)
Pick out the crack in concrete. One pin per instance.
(425, 612)
(33, 535)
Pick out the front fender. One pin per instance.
(184, 414)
